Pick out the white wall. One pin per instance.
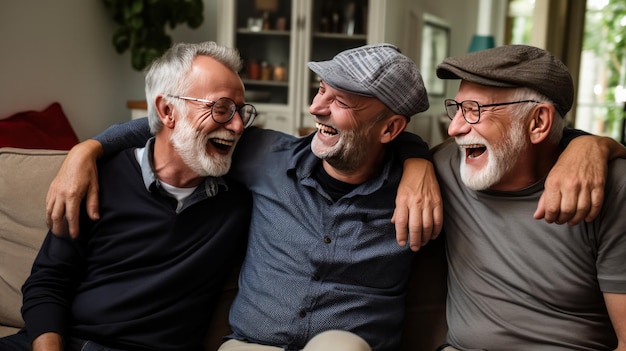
(61, 51)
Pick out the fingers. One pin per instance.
(420, 228)
(424, 224)
(92, 201)
(55, 218)
(579, 203)
(580, 210)
(437, 221)
(597, 199)
(399, 220)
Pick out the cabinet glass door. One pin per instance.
(336, 25)
(263, 37)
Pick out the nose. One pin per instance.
(320, 105)
(458, 125)
(235, 124)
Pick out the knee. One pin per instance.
(337, 340)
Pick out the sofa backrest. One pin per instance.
(25, 175)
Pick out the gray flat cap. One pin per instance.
(512, 66)
(380, 71)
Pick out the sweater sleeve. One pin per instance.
(49, 290)
(134, 133)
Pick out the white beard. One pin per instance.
(192, 147)
(502, 158)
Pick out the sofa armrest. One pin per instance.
(25, 175)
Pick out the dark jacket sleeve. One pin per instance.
(408, 145)
(570, 134)
(134, 133)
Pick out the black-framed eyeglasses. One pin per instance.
(223, 109)
(470, 109)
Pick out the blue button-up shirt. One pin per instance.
(312, 263)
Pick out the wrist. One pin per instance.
(89, 148)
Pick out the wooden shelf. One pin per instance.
(137, 104)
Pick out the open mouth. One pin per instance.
(474, 150)
(326, 130)
(221, 144)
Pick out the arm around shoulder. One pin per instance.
(77, 178)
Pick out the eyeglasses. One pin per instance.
(223, 109)
(470, 109)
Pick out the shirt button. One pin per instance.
(327, 240)
(302, 313)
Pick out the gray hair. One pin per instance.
(558, 123)
(169, 74)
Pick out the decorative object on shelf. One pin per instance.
(435, 48)
(481, 42)
(253, 69)
(280, 73)
(343, 17)
(255, 24)
(266, 8)
(142, 25)
(281, 23)
(266, 71)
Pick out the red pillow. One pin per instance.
(47, 129)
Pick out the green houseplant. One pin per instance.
(142, 25)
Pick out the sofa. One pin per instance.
(25, 175)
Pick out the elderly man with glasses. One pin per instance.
(149, 271)
(515, 283)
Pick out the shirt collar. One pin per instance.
(210, 187)
(304, 162)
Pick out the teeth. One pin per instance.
(472, 146)
(223, 142)
(326, 130)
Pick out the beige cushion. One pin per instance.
(24, 179)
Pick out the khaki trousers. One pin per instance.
(331, 340)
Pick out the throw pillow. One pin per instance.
(47, 129)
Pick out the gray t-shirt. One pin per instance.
(516, 283)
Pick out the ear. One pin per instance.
(393, 126)
(165, 111)
(541, 123)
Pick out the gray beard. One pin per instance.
(347, 155)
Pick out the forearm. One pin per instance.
(615, 149)
(616, 306)
(608, 146)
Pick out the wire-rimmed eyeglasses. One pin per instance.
(470, 109)
(223, 109)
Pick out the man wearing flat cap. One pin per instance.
(322, 258)
(515, 283)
